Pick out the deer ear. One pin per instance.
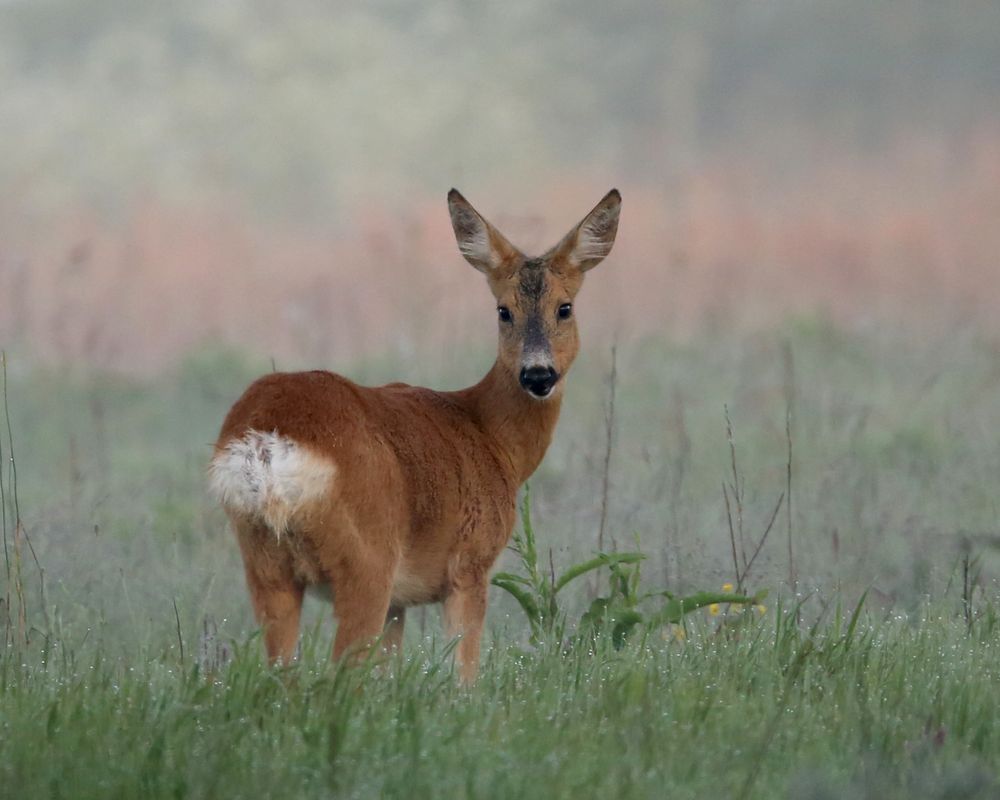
(588, 243)
(482, 245)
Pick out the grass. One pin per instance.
(899, 708)
(143, 677)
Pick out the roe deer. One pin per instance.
(398, 495)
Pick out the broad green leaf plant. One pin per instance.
(623, 611)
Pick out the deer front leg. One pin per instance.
(464, 612)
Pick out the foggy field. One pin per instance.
(895, 446)
(895, 455)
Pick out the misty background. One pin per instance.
(274, 177)
(196, 193)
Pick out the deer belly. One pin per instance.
(410, 587)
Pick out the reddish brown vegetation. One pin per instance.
(899, 237)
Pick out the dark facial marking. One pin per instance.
(534, 333)
(532, 281)
(531, 288)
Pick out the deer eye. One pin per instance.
(504, 313)
(565, 311)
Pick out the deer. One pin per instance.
(396, 496)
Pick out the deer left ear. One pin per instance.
(480, 243)
(589, 243)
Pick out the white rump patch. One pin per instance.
(270, 477)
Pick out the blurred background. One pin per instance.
(194, 193)
(275, 178)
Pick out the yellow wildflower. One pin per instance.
(674, 632)
(727, 587)
(714, 609)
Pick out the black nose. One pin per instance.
(539, 380)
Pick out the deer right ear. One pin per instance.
(588, 243)
(482, 245)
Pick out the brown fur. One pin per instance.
(423, 494)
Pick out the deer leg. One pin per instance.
(464, 612)
(278, 609)
(361, 603)
(274, 592)
(392, 633)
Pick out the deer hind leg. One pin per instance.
(275, 593)
(362, 588)
(361, 611)
(464, 613)
(392, 632)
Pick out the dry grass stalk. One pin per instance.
(789, 370)
(8, 619)
(732, 494)
(736, 488)
(16, 630)
(609, 427)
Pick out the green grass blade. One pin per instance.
(674, 609)
(603, 560)
(510, 576)
(523, 597)
(853, 624)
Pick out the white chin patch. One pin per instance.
(270, 477)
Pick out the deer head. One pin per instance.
(538, 334)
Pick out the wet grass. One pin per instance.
(894, 708)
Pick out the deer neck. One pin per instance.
(521, 426)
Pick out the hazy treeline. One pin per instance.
(294, 106)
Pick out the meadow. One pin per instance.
(135, 669)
